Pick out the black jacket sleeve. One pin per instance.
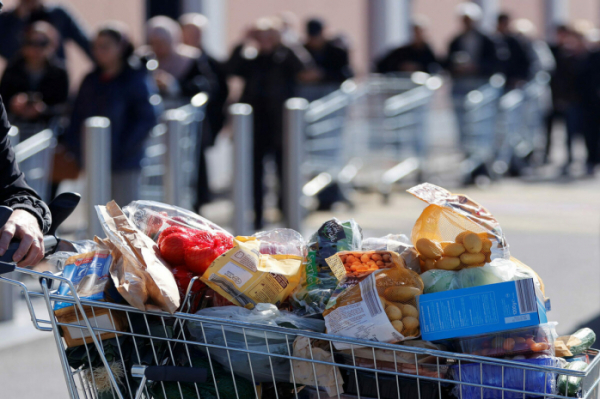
(14, 191)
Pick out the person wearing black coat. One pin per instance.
(471, 61)
(415, 56)
(35, 85)
(31, 217)
(513, 60)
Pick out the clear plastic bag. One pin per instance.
(398, 243)
(264, 268)
(258, 366)
(454, 231)
(497, 271)
(188, 242)
(538, 340)
(318, 281)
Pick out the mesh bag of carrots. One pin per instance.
(454, 232)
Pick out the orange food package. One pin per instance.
(349, 267)
(454, 232)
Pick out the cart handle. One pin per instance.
(167, 373)
(60, 208)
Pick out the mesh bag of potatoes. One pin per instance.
(382, 307)
(454, 232)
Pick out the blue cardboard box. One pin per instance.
(481, 310)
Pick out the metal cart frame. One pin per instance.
(157, 351)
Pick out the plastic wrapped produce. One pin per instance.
(318, 281)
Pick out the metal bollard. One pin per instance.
(14, 135)
(242, 168)
(98, 169)
(293, 151)
(173, 182)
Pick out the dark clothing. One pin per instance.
(484, 57)
(589, 86)
(513, 60)
(421, 56)
(333, 61)
(124, 100)
(52, 85)
(12, 28)
(208, 75)
(14, 191)
(269, 79)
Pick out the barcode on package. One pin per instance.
(526, 296)
(370, 296)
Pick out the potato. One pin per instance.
(401, 294)
(376, 257)
(365, 258)
(384, 302)
(429, 249)
(459, 238)
(398, 325)
(486, 244)
(488, 256)
(471, 259)
(427, 265)
(444, 244)
(393, 313)
(411, 324)
(454, 249)
(447, 263)
(472, 243)
(409, 311)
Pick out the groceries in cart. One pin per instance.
(446, 313)
(260, 269)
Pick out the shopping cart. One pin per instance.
(128, 353)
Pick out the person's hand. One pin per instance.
(24, 226)
(310, 75)
(33, 110)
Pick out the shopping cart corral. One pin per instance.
(369, 134)
(169, 165)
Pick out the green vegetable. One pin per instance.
(587, 338)
(570, 385)
(438, 280)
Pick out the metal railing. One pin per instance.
(35, 157)
(169, 165)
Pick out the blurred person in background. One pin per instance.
(120, 89)
(192, 26)
(180, 72)
(589, 85)
(270, 71)
(415, 56)
(331, 61)
(14, 22)
(513, 60)
(570, 54)
(539, 53)
(471, 60)
(35, 85)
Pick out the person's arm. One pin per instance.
(237, 62)
(31, 217)
(74, 31)
(488, 63)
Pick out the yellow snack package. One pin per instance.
(455, 232)
(256, 271)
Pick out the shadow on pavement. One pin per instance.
(594, 324)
